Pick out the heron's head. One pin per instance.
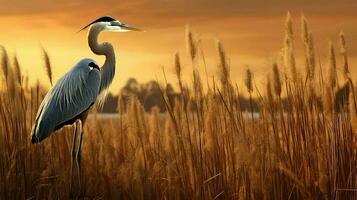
(111, 24)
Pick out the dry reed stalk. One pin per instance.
(169, 137)
(309, 50)
(328, 101)
(269, 93)
(135, 120)
(178, 69)
(305, 39)
(210, 124)
(47, 65)
(224, 74)
(352, 106)
(26, 81)
(154, 134)
(289, 28)
(177, 65)
(139, 162)
(305, 30)
(277, 80)
(332, 81)
(311, 55)
(191, 43)
(249, 85)
(4, 63)
(289, 58)
(249, 80)
(17, 70)
(323, 181)
(11, 82)
(343, 51)
(197, 84)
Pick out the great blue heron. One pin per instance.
(71, 98)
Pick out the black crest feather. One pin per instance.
(101, 19)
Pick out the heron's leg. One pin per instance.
(73, 157)
(78, 159)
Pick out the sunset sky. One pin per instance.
(251, 31)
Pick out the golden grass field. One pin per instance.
(303, 144)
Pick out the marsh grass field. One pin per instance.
(301, 145)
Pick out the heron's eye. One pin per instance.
(92, 65)
(116, 23)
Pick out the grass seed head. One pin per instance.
(277, 80)
(191, 43)
(249, 80)
(48, 68)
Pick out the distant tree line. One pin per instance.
(149, 95)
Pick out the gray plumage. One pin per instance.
(73, 94)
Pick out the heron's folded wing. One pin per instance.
(74, 93)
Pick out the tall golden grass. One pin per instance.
(204, 146)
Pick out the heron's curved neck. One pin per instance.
(106, 49)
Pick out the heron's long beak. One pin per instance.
(129, 28)
(125, 27)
